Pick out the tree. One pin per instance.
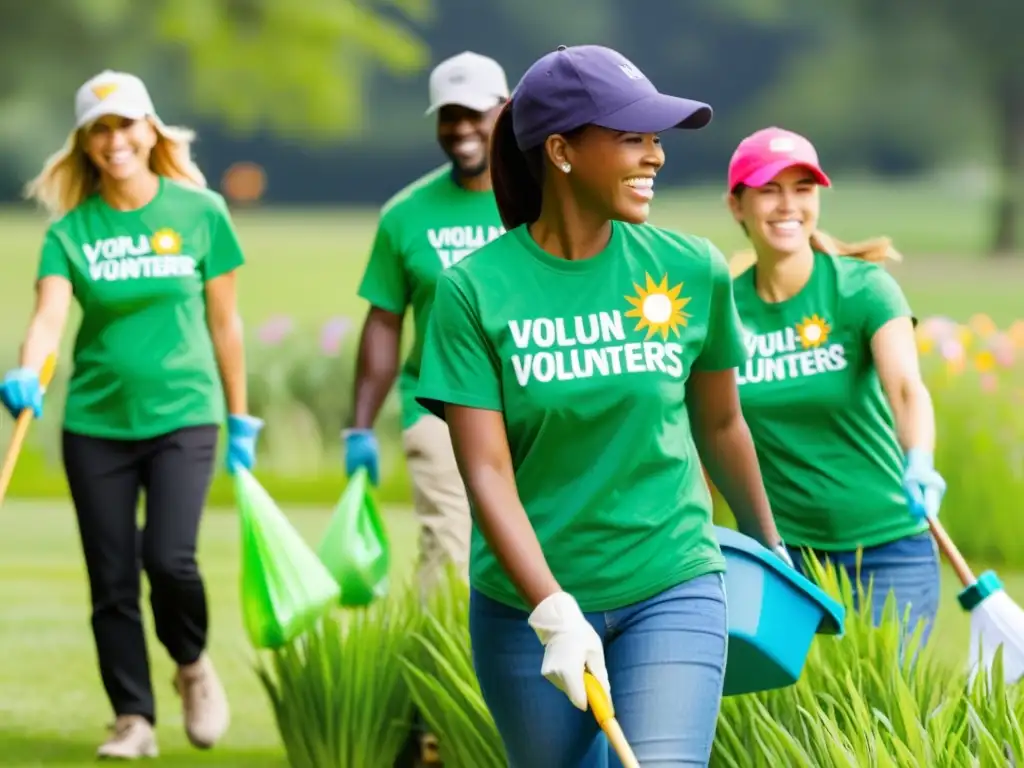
(297, 67)
(983, 39)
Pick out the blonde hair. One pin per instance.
(69, 177)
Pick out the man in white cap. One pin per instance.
(426, 227)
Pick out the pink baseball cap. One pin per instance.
(763, 154)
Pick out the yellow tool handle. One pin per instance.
(604, 713)
(600, 703)
(21, 429)
(47, 371)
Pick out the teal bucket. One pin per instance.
(774, 614)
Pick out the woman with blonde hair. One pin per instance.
(841, 419)
(151, 257)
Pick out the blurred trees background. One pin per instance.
(328, 95)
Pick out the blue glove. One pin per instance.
(242, 434)
(361, 451)
(923, 486)
(21, 390)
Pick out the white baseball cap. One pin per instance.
(469, 80)
(112, 93)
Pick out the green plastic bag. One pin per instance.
(355, 547)
(285, 587)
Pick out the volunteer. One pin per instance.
(150, 256)
(569, 358)
(425, 228)
(842, 422)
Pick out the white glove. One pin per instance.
(570, 645)
(783, 554)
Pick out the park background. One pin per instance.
(310, 115)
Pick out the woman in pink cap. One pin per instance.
(832, 393)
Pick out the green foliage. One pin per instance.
(338, 693)
(301, 66)
(295, 66)
(874, 697)
(438, 668)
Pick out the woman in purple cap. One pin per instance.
(843, 423)
(586, 362)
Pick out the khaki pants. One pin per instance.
(439, 500)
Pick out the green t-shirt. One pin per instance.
(588, 360)
(424, 229)
(822, 426)
(143, 360)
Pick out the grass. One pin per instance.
(53, 709)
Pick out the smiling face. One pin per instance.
(464, 135)
(119, 147)
(611, 173)
(780, 215)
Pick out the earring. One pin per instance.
(565, 167)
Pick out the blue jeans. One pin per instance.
(909, 567)
(666, 665)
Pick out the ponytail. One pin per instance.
(877, 250)
(515, 176)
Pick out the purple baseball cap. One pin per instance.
(594, 85)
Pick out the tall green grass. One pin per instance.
(875, 697)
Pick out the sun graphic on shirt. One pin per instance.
(813, 331)
(659, 308)
(165, 241)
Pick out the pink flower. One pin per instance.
(952, 349)
(276, 329)
(332, 334)
(1002, 349)
(939, 327)
(989, 382)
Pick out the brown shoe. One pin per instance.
(430, 752)
(131, 738)
(204, 701)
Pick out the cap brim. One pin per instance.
(475, 101)
(656, 113)
(132, 112)
(768, 172)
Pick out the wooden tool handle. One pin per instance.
(948, 548)
(21, 430)
(604, 713)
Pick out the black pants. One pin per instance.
(106, 478)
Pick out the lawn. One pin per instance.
(53, 710)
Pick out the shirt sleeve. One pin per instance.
(723, 345)
(881, 299)
(460, 365)
(225, 249)
(384, 282)
(53, 259)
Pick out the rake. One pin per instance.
(21, 430)
(996, 620)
